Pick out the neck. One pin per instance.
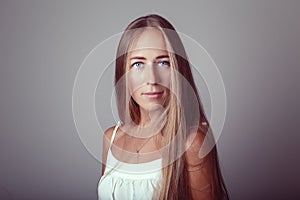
(145, 118)
(151, 121)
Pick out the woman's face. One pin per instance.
(149, 70)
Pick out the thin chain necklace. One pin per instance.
(138, 150)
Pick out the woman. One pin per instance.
(154, 153)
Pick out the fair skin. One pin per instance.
(149, 80)
(149, 73)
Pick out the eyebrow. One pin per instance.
(143, 58)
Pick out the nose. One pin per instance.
(152, 75)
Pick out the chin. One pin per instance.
(153, 107)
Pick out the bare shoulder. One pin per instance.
(108, 133)
(106, 140)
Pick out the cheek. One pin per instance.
(134, 81)
(165, 78)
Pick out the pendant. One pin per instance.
(137, 156)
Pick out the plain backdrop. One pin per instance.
(256, 45)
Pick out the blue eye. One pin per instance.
(164, 63)
(137, 64)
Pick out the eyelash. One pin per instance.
(164, 61)
(133, 65)
(167, 63)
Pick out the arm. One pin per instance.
(106, 142)
(200, 170)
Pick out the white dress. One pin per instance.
(126, 181)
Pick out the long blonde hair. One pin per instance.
(181, 112)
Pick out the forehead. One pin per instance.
(150, 38)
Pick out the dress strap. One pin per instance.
(114, 133)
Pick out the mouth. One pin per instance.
(153, 94)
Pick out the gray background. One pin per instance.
(256, 45)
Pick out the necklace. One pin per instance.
(138, 150)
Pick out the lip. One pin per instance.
(152, 94)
